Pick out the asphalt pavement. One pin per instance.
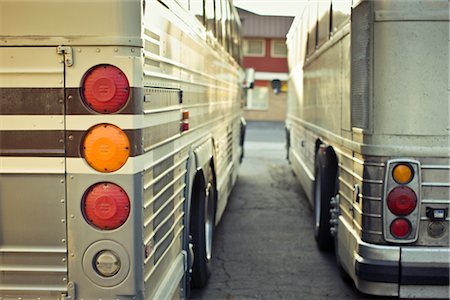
(264, 246)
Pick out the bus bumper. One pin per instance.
(408, 272)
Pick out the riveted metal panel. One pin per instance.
(85, 241)
(67, 22)
(33, 242)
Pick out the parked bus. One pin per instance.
(121, 134)
(368, 138)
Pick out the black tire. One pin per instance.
(202, 228)
(324, 189)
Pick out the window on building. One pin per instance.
(258, 98)
(254, 47)
(278, 48)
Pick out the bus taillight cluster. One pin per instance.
(402, 193)
(106, 148)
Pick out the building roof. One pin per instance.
(254, 25)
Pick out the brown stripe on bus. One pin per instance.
(76, 106)
(34, 143)
(50, 143)
(31, 101)
(50, 101)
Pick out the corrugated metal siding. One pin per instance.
(254, 25)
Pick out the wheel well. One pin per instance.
(316, 149)
(288, 136)
(213, 170)
(331, 160)
(197, 185)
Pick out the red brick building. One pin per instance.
(264, 46)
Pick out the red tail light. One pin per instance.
(400, 228)
(105, 89)
(106, 206)
(402, 201)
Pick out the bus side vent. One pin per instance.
(360, 64)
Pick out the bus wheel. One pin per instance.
(324, 186)
(202, 228)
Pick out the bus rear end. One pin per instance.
(400, 200)
(368, 138)
(71, 190)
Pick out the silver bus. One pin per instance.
(121, 134)
(368, 138)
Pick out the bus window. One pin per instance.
(234, 36)
(197, 9)
(341, 13)
(227, 23)
(323, 31)
(240, 55)
(312, 27)
(219, 26)
(210, 16)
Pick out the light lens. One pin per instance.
(400, 228)
(106, 148)
(106, 206)
(402, 173)
(105, 89)
(402, 201)
(107, 263)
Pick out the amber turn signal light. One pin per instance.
(402, 173)
(106, 148)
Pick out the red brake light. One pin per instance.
(402, 201)
(105, 89)
(400, 228)
(106, 206)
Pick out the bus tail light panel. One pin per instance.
(106, 206)
(401, 201)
